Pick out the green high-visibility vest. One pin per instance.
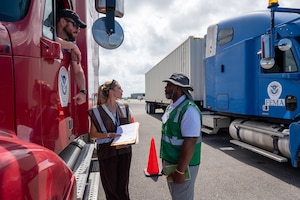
(172, 139)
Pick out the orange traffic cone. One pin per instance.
(152, 167)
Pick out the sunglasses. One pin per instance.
(74, 23)
(112, 84)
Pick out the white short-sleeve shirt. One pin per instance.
(191, 121)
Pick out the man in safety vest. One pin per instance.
(181, 138)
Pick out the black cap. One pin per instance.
(67, 13)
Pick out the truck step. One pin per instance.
(82, 169)
(211, 124)
(92, 187)
(209, 130)
(260, 151)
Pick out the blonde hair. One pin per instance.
(103, 91)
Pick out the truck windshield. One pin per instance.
(13, 10)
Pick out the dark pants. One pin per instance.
(114, 174)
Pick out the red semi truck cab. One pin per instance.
(37, 84)
(39, 120)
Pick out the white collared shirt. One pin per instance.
(190, 123)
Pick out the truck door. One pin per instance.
(6, 81)
(279, 87)
(57, 123)
(40, 123)
(42, 84)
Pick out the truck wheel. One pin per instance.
(152, 108)
(147, 108)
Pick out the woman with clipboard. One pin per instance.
(114, 161)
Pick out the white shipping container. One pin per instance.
(187, 59)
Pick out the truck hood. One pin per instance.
(30, 171)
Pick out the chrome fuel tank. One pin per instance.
(270, 137)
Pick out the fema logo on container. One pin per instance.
(63, 86)
(274, 90)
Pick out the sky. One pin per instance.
(154, 28)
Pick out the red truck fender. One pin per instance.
(27, 164)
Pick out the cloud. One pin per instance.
(153, 29)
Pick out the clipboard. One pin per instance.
(171, 168)
(129, 134)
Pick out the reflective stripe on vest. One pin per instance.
(176, 118)
(100, 121)
(175, 141)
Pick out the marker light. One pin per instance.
(273, 3)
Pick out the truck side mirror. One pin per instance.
(106, 31)
(266, 62)
(104, 39)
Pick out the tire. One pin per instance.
(152, 108)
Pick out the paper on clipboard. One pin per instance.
(129, 134)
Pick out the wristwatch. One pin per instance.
(83, 91)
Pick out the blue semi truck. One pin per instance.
(250, 65)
